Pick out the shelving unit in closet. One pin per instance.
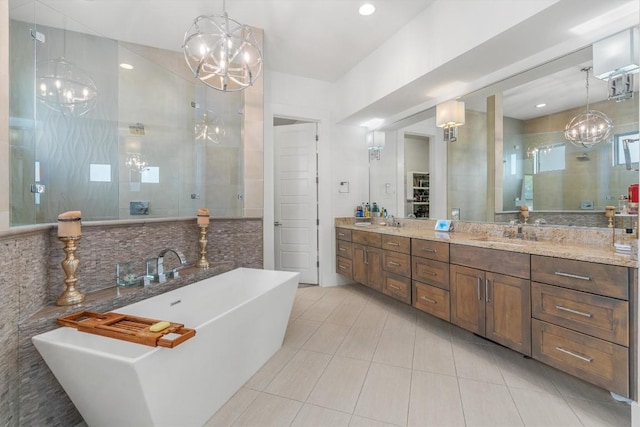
(417, 193)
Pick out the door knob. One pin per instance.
(277, 223)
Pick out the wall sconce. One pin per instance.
(450, 115)
(617, 54)
(375, 143)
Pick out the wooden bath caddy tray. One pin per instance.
(128, 328)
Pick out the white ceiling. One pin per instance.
(323, 39)
(319, 39)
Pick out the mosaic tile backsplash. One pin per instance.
(31, 279)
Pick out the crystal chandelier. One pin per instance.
(589, 127)
(65, 88)
(222, 53)
(210, 129)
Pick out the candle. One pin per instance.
(69, 224)
(203, 216)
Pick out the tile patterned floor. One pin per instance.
(352, 357)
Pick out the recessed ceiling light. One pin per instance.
(541, 105)
(367, 9)
(126, 66)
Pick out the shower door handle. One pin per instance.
(37, 188)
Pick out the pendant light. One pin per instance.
(590, 127)
(222, 53)
(64, 87)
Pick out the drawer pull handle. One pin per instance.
(580, 313)
(342, 267)
(432, 301)
(393, 244)
(428, 250)
(577, 356)
(430, 273)
(342, 249)
(341, 234)
(394, 264)
(394, 287)
(573, 276)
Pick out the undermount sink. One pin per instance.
(498, 240)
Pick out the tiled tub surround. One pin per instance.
(31, 279)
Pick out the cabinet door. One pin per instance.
(467, 298)
(374, 268)
(359, 263)
(508, 311)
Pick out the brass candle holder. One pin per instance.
(610, 211)
(202, 242)
(71, 295)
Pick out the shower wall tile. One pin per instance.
(4, 112)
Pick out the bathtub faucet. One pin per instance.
(160, 275)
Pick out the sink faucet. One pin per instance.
(508, 232)
(160, 275)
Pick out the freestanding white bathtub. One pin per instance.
(240, 319)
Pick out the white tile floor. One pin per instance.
(353, 357)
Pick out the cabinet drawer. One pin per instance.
(344, 249)
(431, 300)
(505, 262)
(594, 360)
(366, 238)
(397, 287)
(434, 273)
(397, 263)
(603, 279)
(396, 243)
(595, 315)
(343, 234)
(430, 249)
(344, 267)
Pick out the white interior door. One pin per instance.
(296, 200)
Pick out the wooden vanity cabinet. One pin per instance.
(430, 274)
(344, 252)
(396, 266)
(367, 259)
(488, 303)
(582, 320)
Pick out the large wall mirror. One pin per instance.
(535, 165)
(153, 143)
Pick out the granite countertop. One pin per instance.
(490, 236)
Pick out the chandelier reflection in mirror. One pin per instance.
(210, 128)
(222, 53)
(136, 162)
(65, 88)
(590, 127)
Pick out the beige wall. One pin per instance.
(467, 171)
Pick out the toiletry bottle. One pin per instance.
(367, 212)
(375, 210)
(622, 204)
